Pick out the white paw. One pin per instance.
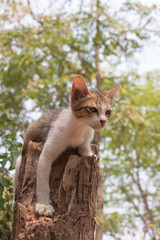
(44, 209)
(90, 154)
(86, 154)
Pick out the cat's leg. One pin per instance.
(85, 149)
(51, 150)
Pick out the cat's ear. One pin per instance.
(79, 88)
(111, 93)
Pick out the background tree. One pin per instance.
(133, 160)
(40, 55)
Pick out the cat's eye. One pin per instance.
(93, 109)
(108, 112)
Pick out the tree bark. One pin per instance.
(73, 185)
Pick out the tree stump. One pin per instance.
(73, 185)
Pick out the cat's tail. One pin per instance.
(15, 178)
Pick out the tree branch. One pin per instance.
(148, 211)
(36, 18)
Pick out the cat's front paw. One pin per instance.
(44, 209)
(86, 154)
(90, 154)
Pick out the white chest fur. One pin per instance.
(69, 131)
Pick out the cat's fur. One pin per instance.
(74, 126)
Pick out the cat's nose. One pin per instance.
(102, 122)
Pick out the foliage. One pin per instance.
(38, 63)
(132, 159)
(6, 196)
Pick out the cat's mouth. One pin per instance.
(96, 125)
(98, 128)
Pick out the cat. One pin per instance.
(74, 126)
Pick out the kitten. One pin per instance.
(74, 126)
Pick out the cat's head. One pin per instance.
(91, 107)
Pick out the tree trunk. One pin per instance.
(100, 202)
(97, 136)
(73, 185)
